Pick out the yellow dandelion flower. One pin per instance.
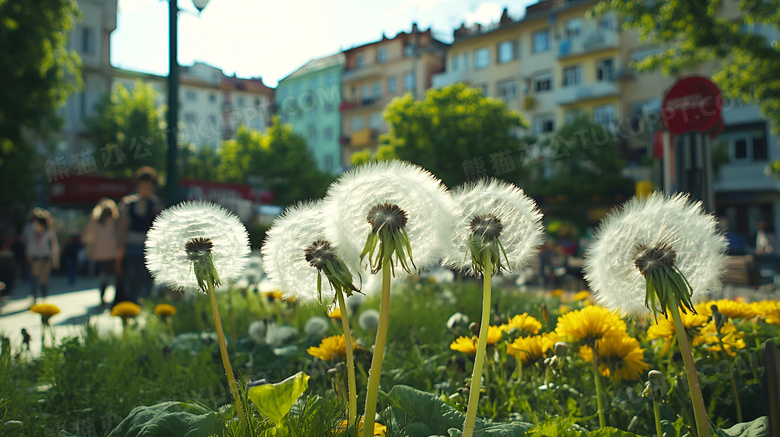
(46, 310)
(334, 312)
(769, 310)
(619, 357)
(557, 293)
(469, 345)
(729, 308)
(563, 309)
(664, 328)
(589, 324)
(331, 348)
(379, 430)
(582, 295)
(732, 338)
(529, 350)
(125, 310)
(165, 310)
(527, 325)
(274, 295)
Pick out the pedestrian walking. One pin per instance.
(101, 242)
(43, 251)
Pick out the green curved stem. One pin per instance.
(484, 327)
(225, 358)
(375, 374)
(352, 390)
(699, 410)
(657, 413)
(597, 379)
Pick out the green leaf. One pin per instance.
(168, 419)
(756, 428)
(275, 400)
(557, 426)
(423, 414)
(609, 431)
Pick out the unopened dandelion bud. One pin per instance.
(545, 313)
(656, 384)
(561, 349)
(474, 328)
(718, 318)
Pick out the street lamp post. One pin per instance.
(172, 117)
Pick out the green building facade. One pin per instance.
(309, 99)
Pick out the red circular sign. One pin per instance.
(692, 104)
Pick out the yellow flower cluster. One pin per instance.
(664, 328)
(582, 295)
(528, 350)
(619, 356)
(46, 310)
(729, 308)
(769, 310)
(589, 324)
(379, 429)
(732, 338)
(165, 310)
(125, 310)
(527, 325)
(331, 348)
(274, 295)
(469, 345)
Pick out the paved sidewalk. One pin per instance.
(79, 303)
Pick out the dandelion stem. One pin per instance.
(734, 390)
(476, 377)
(597, 379)
(352, 392)
(375, 374)
(657, 414)
(225, 358)
(699, 410)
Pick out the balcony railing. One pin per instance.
(586, 43)
(360, 138)
(346, 105)
(447, 78)
(357, 73)
(574, 94)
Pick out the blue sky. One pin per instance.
(271, 39)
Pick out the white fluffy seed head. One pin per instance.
(653, 221)
(369, 319)
(415, 190)
(316, 326)
(284, 259)
(173, 228)
(521, 220)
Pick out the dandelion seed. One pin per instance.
(369, 320)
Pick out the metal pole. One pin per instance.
(667, 162)
(172, 119)
(708, 193)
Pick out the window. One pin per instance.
(358, 60)
(541, 41)
(330, 79)
(544, 125)
(87, 40)
(365, 92)
(392, 85)
(481, 58)
(376, 89)
(212, 97)
(257, 102)
(543, 82)
(328, 162)
(409, 81)
(381, 54)
(328, 133)
(573, 28)
(572, 115)
(604, 114)
(312, 135)
(356, 123)
(189, 117)
(313, 83)
(506, 51)
(482, 87)
(375, 121)
(409, 49)
(297, 89)
(607, 23)
(605, 70)
(240, 102)
(455, 62)
(190, 95)
(746, 142)
(506, 90)
(572, 75)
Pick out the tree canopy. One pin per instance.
(38, 74)
(279, 159)
(693, 33)
(455, 132)
(129, 130)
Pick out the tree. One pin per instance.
(199, 163)
(585, 170)
(38, 74)
(279, 157)
(697, 32)
(454, 132)
(129, 130)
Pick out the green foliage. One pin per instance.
(586, 170)
(274, 401)
(448, 127)
(695, 33)
(557, 426)
(127, 123)
(280, 157)
(168, 419)
(38, 75)
(200, 163)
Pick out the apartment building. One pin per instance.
(308, 99)
(211, 105)
(376, 73)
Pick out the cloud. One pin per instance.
(486, 13)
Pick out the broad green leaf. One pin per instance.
(275, 400)
(557, 426)
(169, 419)
(756, 428)
(609, 431)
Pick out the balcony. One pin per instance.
(346, 105)
(587, 43)
(365, 72)
(448, 78)
(576, 94)
(361, 138)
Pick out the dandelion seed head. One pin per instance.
(257, 331)
(276, 335)
(494, 209)
(188, 230)
(378, 193)
(649, 231)
(369, 319)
